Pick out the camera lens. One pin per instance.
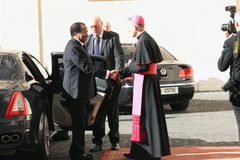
(224, 27)
(228, 85)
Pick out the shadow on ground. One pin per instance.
(195, 106)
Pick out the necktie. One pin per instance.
(97, 52)
(96, 46)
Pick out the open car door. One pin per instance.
(107, 91)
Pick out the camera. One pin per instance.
(231, 86)
(230, 26)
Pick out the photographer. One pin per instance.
(230, 58)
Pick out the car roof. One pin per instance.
(10, 51)
(133, 45)
(19, 53)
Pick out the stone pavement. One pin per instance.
(209, 121)
(210, 95)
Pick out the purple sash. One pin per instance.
(138, 135)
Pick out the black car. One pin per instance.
(31, 104)
(24, 105)
(176, 80)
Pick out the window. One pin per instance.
(41, 68)
(10, 67)
(60, 69)
(166, 55)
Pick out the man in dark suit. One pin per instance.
(79, 86)
(110, 47)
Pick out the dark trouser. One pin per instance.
(78, 110)
(113, 123)
(236, 110)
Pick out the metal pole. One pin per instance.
(237, 4)
(40, 31)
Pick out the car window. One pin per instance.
(10, 67)
(40, 67)
(60, 69)
(28, 74)
(129, 50)
(128, 53)
(166, 55)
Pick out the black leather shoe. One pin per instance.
(83, 156)
(128, 155)
(115, 146)
(95, 148)
(90, 155)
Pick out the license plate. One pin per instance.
(169, 90)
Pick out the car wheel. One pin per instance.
(179, 106)
(44, 142)
(45, 137)
(62, 135)
(123, 110)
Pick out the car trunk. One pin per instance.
(169, 72)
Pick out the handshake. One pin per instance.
(114, 74)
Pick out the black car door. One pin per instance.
(107, 89)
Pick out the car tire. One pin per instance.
(179, 106)
(42, 153)
(125, 110)
(62, 135)
(44, 150)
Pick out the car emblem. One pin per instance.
(163, 71)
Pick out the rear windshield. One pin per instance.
(129, 50)
(128, 53)
(166, 55)
(10, 67)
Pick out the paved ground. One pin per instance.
(209, 121)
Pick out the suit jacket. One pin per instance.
(110, 48)
(79, 81)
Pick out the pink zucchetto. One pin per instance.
(138, 19)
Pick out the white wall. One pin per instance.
(189, 29)
(19, 25)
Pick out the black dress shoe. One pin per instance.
(95, 148)
(115, 146)
(128, 155)
(83, 156)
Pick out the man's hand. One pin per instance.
(129, 61)
(119, 79)
(114, 74)
(228, 35)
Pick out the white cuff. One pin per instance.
(107, 74)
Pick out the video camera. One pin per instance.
(230, 26)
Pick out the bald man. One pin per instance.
(106, 26)
(109, 45)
